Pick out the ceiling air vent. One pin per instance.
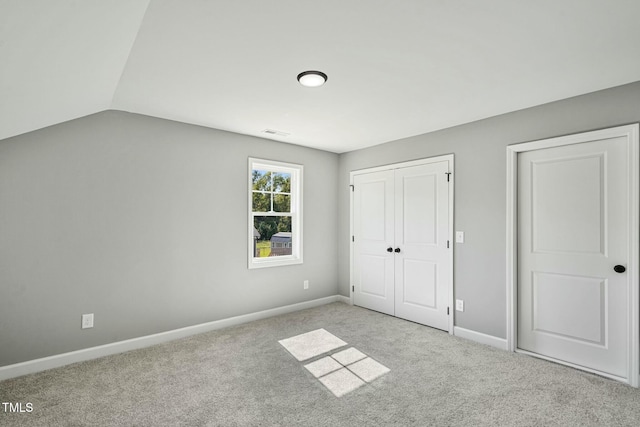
(275, 132)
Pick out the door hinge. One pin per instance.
(447, 311)
(353, 288)
(447, 244)
(448, 176)
(353, 238)
(353, 187)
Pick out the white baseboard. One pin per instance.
(481, 338)
(343, 299)
(37, 365)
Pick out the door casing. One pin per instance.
(631, 132)
(450, 159)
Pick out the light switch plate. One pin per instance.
(459, 305)
(459, 236)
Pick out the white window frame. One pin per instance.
(296, 172)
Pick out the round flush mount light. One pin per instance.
(312, 78)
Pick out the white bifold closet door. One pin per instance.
(401, 252)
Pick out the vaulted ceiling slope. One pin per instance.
(62, 59)
(396, 69)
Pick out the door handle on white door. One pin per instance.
(389, 249)
(619, 269)
(397, 250)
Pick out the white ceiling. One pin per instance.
(396, 68)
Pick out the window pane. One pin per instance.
(271, 236)
(261, 202)
(261, 180)
(281, 203)
(281, 182)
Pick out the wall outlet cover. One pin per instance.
(459, 305)
(87, 321)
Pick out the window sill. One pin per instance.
(266, 262)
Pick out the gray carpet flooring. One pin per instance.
(242, 376)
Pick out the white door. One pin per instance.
(373, 211)
(573, 230)
(402, 260)
(422, 267)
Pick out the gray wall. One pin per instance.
(143, 222)
(480, 188)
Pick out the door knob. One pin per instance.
(619, 269)
(397, 250)
(389, 249)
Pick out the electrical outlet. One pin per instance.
(459, 305)
(306, 284)
(87, 321)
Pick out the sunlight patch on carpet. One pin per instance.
(341, 372)
(348, 356)
(322, 367)
(311, 344)
(368, 369)
(341, 382)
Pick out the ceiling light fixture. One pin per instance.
(312, 78)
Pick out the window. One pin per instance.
(275, 213)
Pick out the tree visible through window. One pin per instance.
(275, 217)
